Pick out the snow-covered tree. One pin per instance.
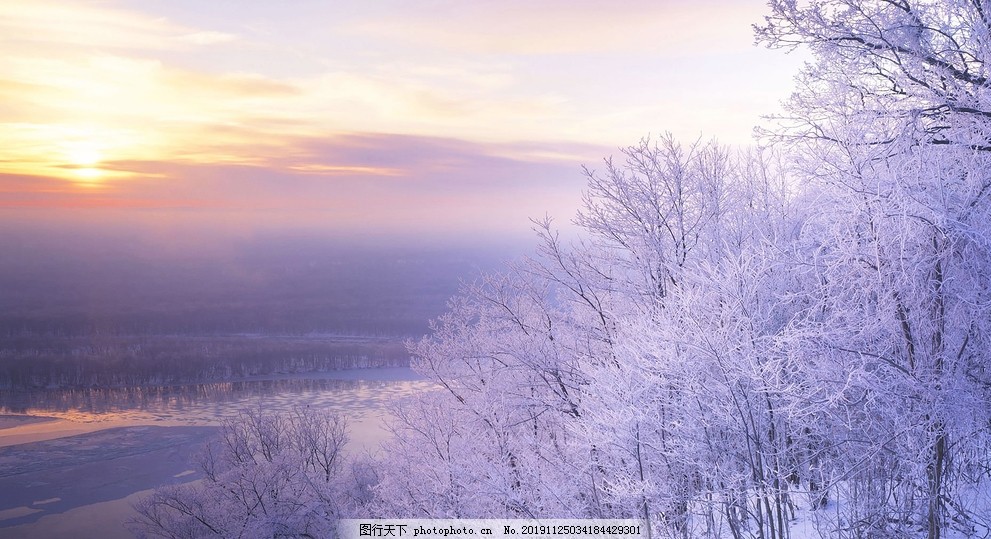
(493, 441)
(267, 475)
(903, 71)
(894, 118)
(574, 384)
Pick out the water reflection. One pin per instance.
(207, 403)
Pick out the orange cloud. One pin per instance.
(357, 181)
(116, 102)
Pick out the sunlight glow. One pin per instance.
(83, 156)
(82, 153)
(110, 94)
(88, 175)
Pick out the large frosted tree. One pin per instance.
(894, 119)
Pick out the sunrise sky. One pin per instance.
(385, 115)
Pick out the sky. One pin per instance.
(385, 117)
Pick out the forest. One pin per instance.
(273, 306)
(32, 363)
(740, 335)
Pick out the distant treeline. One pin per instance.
(191, 398)
(32, 361)
(83, 307)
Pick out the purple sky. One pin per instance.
(422, 117)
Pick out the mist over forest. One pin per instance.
(122, 306)
(277, 283)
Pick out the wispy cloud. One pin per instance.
(568, 27)
(45, 25)
(357, 181)
(206, 37)
(374, 109)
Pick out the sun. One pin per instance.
(88, 174)
(83, 158)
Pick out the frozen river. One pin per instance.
(79, 471)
